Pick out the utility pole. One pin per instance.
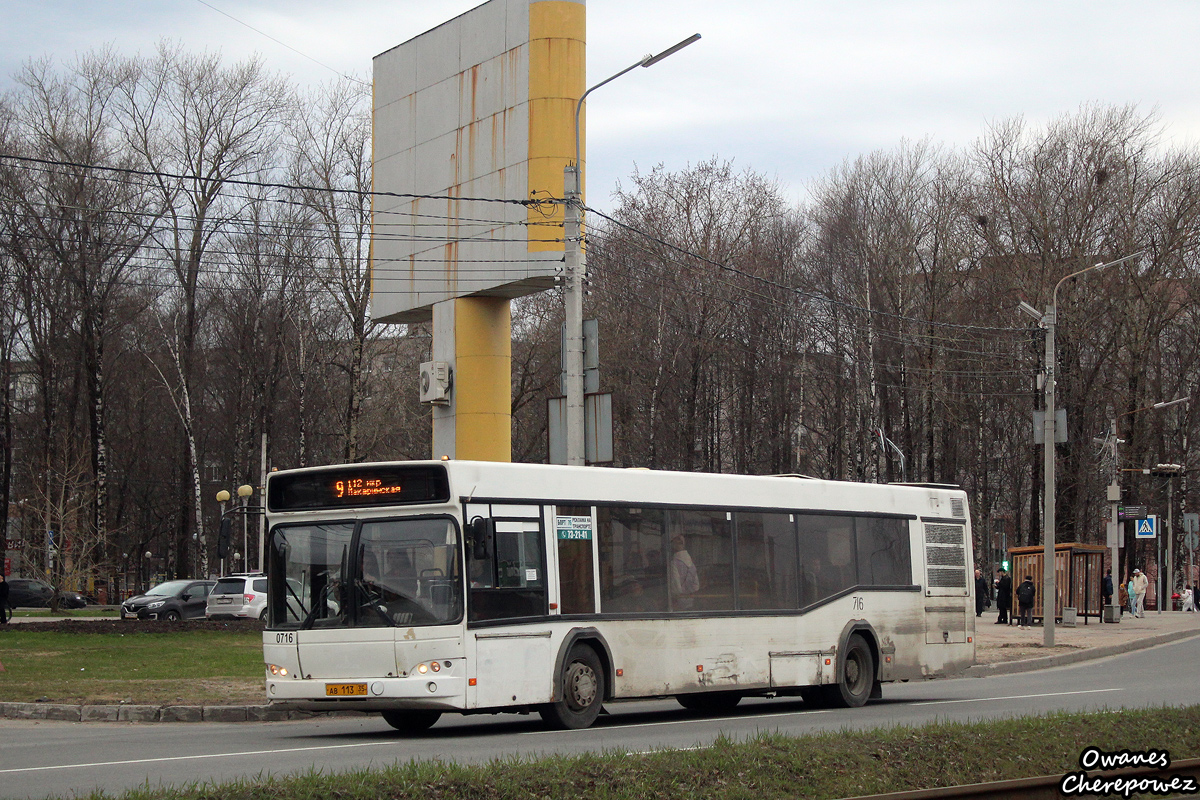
(574, 264)
(1048, 321)
(1048, 583)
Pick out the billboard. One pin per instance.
(472, 121)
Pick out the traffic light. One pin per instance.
(1004, 565)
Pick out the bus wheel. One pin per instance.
(710, 702)
(857, 677)
(582, 692)
(411, 721)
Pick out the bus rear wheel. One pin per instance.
(857, 676)
(710, 702)
(411, 721)
(581, 694)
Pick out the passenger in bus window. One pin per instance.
(685, 582)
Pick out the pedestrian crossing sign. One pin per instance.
(1147, 528)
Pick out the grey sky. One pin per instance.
(787, 88)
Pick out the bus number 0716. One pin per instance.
(285, 638)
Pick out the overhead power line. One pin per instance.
(265, 184)
(283, 44)
(799, 292)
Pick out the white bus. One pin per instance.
(418, 588)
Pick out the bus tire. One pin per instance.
(856, 677)
(582, 691)
(710, 702)
(411, 721)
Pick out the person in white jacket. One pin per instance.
(1140, 583)
(1187, 600)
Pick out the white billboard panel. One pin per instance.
(477, 110)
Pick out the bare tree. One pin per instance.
(331, 141)
(197, 123)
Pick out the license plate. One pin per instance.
(129, 614)
(345, 690)
(224, 600)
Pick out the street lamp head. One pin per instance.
(651, 60)
(223, 496)
(245, 490)
(1030, 310)
(1174, 402)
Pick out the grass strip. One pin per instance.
(769, 766)
(198, 667)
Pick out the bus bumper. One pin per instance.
(382, 694)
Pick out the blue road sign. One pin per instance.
(1147, 528)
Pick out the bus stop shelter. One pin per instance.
(1078, 571)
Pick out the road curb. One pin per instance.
(1063, 659)
(67, 712)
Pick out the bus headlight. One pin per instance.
(278, 670)
(432, 666)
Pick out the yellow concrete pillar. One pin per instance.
(478, 423)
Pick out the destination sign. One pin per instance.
(1131, 512)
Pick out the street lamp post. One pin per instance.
(574, 266)
(1048, 322)
(244, 491)
(223, 498)
(1166, 582)
(1114, 490)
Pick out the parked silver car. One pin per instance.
(238, 596)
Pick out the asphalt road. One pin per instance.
(40, 759)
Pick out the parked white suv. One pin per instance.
(239, 596)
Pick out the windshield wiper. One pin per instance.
(375, 604)
(317, 602)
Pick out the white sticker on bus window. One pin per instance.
(530, 575)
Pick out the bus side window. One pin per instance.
(511, 581)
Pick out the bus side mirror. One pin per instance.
(480, 533)
(223, 537)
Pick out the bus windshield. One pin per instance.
(393, 572)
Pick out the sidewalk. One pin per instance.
(1002, 649)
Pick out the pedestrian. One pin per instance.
(1106, 590)
(1140, 583)
(1025, 595)
(4, 612)
(1003, 595)
(983, 593)
(1188, 599)
(1123, 597)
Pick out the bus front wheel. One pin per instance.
(411, 721)
(581, 694)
